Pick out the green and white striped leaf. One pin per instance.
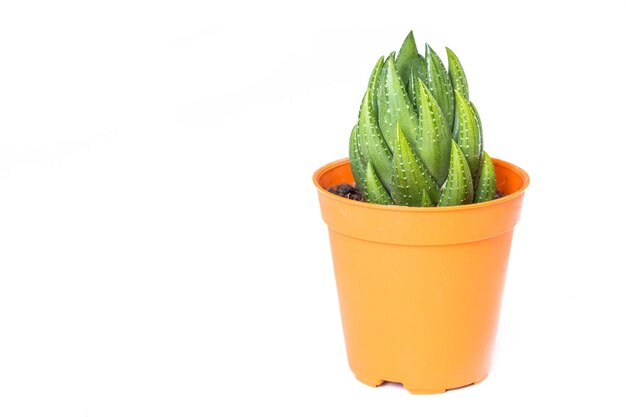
(457, 74)
(486, 189)
(373, 84)
(468, 136)
(372, 145)
(410, 177)
(439, 84)
(394, 106)
(407, 59)
(357, 164)
(433, 136)
(458, 188)
(374, 191)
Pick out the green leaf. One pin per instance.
(374, 190)
(357, 165)
(372, 145)
(433, 136)
(486, 189)
(422, 72)
(480, 132)
(457, 75)
(373, 84)
(426, 201)
(439, 84)
(407, 59)
(458, 188)
(468, 136)
(414, 92)
(459, 83)
(478, 122)
(410, 177)
(394, 106)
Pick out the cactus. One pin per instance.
(418, 140)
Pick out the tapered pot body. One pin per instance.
(420, 288)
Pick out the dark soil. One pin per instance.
(347, 191)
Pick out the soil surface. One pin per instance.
(347, 191)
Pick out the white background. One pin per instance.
(161, 248)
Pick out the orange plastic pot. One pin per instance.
(420, 288)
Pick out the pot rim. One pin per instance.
(502, 200)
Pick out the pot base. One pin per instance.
(424, 387)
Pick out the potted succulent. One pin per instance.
(420, 221)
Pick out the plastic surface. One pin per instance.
(420, 288)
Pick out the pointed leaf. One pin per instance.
(458, 188)
(433, 136)
(459, 83)
(374, 190)
(455, 131)
(357, 165)
(469, 137)
(414, 92)
(422, 72)
(410, 177)
(373, 146)
(373, 84)
(478, 122)
(480, 133)
(486, 189)
(457, 75)
(439, 84)
(407, 59)
(394, 106)
(426, 201)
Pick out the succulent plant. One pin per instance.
(418, 140)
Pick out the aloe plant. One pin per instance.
(418, 140)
